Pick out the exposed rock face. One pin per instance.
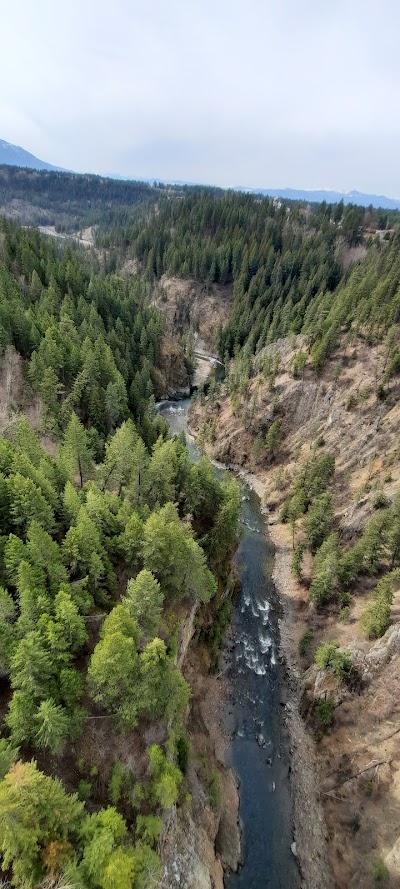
(368, 664)
(310, 832)
(188, 856)
(198, 843)
(189, 308)
(340, 407)
(384, 649)
(227, 842)
(172, 380)
(186, 631)
(351, 794)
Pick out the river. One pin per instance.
(259, 747)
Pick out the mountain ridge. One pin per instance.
(16, 156)
(331, 196)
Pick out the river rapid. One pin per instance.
(259, 749)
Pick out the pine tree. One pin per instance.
(75, 453)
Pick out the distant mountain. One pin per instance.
(331, 197)
(14, 156)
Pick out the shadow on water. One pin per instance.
(259, 749)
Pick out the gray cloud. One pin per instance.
(252, 92)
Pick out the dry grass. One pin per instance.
(362, 816)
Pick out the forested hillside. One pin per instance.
(91, 342)
(70, 201)
(112, 542)
(282, 260)
(311, 407)
(110, 539)
(346, 337)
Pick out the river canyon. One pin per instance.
(259, 749)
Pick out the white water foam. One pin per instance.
(265, 643)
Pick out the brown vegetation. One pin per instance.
(340, 412)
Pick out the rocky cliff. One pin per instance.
(357, 763)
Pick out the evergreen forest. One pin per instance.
(111, 539)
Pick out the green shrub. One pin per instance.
(183, 752)
(324, 710)
(212, 782)
(84, 790)
(344, 613)
(115, 784)
(298, 363)
(305, 641)
(375, 619)
(297, 559)
(324, 581)
(274, 436)
(351, 402)
(350, 565)
(319, 520)
(285, 511)
(345, 598)
(380, 871)
(148, 828)
(369, 788)
(166, 778)
(313, 480)
(214, 790)
(330, 656)
(380, 501)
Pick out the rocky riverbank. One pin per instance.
(310, 829)
(203, 839)
(338, 411)
(309, 821)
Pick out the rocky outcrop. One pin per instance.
(198, 842)
(171, 379)
(186, 631)
(189, 308)
(188, 855)
(379, 656)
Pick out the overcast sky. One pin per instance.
(301, 93)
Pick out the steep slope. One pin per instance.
(343, 413)
(192, 312)
(71, 201)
